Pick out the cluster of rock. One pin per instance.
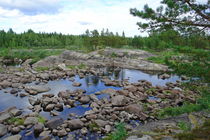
(123, 58)
(130, 103)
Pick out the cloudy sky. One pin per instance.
(71, 16)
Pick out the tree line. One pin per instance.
(93, 40)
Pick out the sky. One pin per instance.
(71, 16)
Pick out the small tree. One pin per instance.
(176, 14)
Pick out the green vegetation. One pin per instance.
(197, 133)
(93, 127)
(174, 14)
(40, 69)
(17, 121)
(184, 126)
(80, 66)
(41, 119)
(119, 134)
(34, 54)
(203, 103)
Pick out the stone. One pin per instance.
(108, 128)
(3, 130)
(101, 123)
(38, 128)
(75, 124)
(63, 94)
(49, 107)
(76, 84)
(119, 100)
(33, 100)
(23, 95)
(62, 67)
(145, 137)
(123, 92)
(35, 89)
(15, 130)
(15, 112)
(84, 131)
(15, 137)
(14, 91)
(136, 110)
(30, 121)
(84, 99)
(5, 84)
(62, 133)
(54, 123)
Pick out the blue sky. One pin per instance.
(71, 16)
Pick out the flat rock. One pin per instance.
(15, 137)
(35, 89)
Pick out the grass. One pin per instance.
(80, 66)
(202, 103)
(41, 119)
(40, 69)
(24, 54)
(119, 134)
(184, 126)
(201, 133)
(93, 127)
(14, 120)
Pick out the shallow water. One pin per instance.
(90, 84)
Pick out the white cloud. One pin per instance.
(76, 16)
(31, 7)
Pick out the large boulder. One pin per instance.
(48, 62)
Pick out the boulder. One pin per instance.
(30, 121)
(119, 100)
(62, 133)
(101, 123)
(35, 89)
(3, 130)
(75, 124)
(84, 99)
(38, 128)
(54, 123)
(33, 100)
(136, 110)
(76, 84)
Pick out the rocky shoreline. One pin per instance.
(137, 102)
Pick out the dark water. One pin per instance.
(90, 84)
